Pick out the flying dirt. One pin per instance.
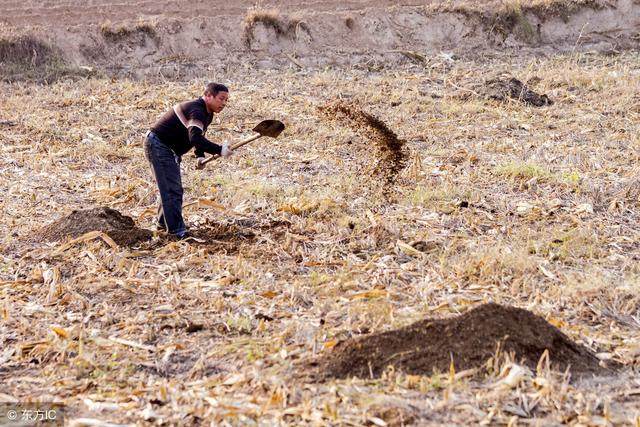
(389, 152)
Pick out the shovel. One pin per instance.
(270, 128)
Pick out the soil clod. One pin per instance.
(469, 340)
(232, 236)
(121, 228)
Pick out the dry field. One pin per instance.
(343, 274)
(322, 236)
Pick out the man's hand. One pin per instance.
(200, 164)
(226, 151)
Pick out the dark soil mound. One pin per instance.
(502, 89)
(122, 229)
(391, 156)
(470, 339)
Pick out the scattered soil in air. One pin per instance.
(121, 228)
(391, 156)
(502, 89)
(471, 339)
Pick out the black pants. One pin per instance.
(165, 165)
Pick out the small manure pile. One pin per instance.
(233, 236)
(470, 339)
(390, 153)
(503, 88)
(122, 229)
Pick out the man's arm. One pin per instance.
(193, 119)
(202, 145)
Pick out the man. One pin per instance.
(174, 134)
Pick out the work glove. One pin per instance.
(226, 151)
(200, 163)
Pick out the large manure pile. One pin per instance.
(469, 340)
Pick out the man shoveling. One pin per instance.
(174, 134)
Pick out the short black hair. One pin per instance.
(215, 88)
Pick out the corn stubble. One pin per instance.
(300, 255)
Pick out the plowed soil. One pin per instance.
(469, 340)
(121, 228)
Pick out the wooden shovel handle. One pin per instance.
(244, 142)
(233, 147)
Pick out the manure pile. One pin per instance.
(122, 229)
(391, 158)
(470, 340)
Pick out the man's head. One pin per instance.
(215, 97)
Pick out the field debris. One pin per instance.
(467, 341)
(504, 88)
(390, 153)
(121, 228)
(231, 237)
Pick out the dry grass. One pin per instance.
(511, 16)
(283, 26)
(500, 202)
(122, 32)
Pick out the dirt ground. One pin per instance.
(178, 40)
(438, 237)
(64, 13)
(297, 252)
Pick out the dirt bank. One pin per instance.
(153, 38)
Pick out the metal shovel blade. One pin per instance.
(271, 128)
